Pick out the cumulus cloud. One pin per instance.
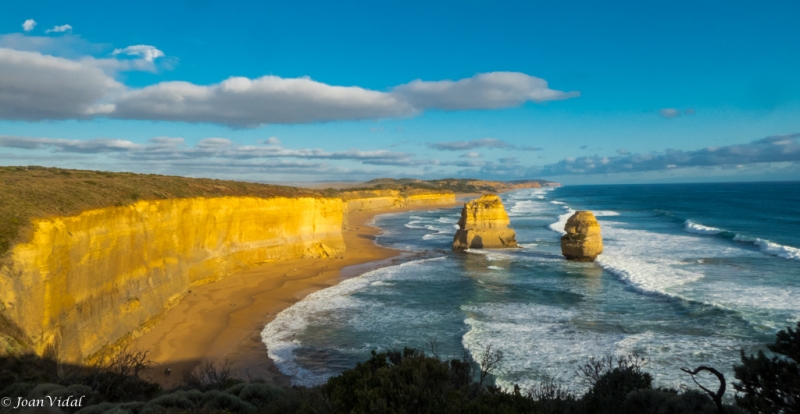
(471, 154)
(782, 148)
(146, 52)
(482, 91)
(273, 141)
(43, 84)
(59, 29)
(28, 25)
(244, 102)
(479, 143)
(34, 87)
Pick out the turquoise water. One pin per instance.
(691, 274)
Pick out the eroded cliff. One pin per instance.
(83, 284)
(484, 224)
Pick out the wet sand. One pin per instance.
(222, 321)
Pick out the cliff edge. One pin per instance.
(583, 241)
(484, 224)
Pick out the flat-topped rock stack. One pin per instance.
(484, 224)
(583, 241)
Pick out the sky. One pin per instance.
(578, 92)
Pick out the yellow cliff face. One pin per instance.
(376, 200)
(83, 284)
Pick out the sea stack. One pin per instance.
(484, 224)
(583, 241)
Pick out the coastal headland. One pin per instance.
(131, 263)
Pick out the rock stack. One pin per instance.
(484, 224)
(583, 241)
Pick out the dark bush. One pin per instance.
(771, 385)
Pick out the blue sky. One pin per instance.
(577, 92)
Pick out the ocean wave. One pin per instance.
(414, 224)
(280, 335)
(554, 346)
(693, 227)
(559, 225)
(764, 245)
(605, 213)
(775, 249)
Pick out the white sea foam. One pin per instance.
(414, 224)
(525, 207)
(548, 345)
(280, 335)
(605, 213)
(495, 267)
(693, 227)
(557, 202)
(775, 249)
(432, 236)
(559, 225)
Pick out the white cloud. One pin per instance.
(471, 154)
(482, 91)
(59, 29)
(669, 112)
(273, 141)
(774, 149)
(244, 102)
(146, 52)
(28, 25)
(60, 78)
(479, 143)
(37, 87)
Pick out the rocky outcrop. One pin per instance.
(84, 284)
(484, 224)
(583, 241)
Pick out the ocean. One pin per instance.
(690, 275)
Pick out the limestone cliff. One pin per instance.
(376, 200)
(84, 283)
(484, 224)
(583, 241)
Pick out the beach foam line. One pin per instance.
(280, 335)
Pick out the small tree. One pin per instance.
(771, 385)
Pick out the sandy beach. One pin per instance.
(223, 320)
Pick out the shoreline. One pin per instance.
(222, 321)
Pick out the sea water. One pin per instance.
(690, 275)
